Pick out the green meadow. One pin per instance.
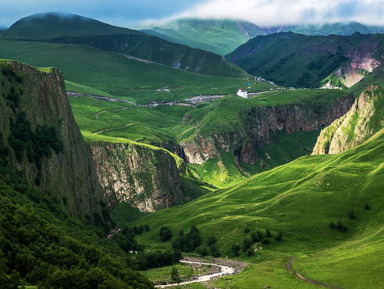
(299, 199)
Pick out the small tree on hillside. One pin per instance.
(175, 277)
(236, 249)
(279, 236)
(165, 234)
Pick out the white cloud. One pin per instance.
(277, 12)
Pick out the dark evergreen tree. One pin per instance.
(165, 234)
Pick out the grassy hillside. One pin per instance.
(74, 29)
(117, 75)
(168, 126)
(299, 199)
(307, 61)
(218, 36)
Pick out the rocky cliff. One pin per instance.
(146, 177)
(363, 119)
(40, 137)
(261, 126)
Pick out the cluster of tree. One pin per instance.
(11, 75)
(35, 144)
(188, 242)
(210, 248)
(322, 66)
(11, 94)
(156, 259)
(338, 226)
(165, 234)
(126, 238)
(41, 246)
(255, 237)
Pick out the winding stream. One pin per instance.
(224, 270)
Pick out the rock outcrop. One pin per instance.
(146, 177)
(261, 126)
(363, 119)
(39, 136)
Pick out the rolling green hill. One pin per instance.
(73, 29)
(310, 61)
(218, 36)
(299, 199)
(116, 74)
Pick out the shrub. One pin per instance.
(246, 244)
(203, 251)
(175, 275)
(236, 249)
(165, 234)
(214, 251)
(211, 240)
(279, 236)
(250, 252)
(351, 215)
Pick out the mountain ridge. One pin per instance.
(292, 59)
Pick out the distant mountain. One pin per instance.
(326, 29)
(74, 29)
(311, 61)
(218, 36)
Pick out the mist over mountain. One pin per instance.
(219, 36)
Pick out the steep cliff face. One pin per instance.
(261, 126)
(40, 137)
(145, 177)
(363, 119)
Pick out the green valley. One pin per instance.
(326, 189)
(130, 161)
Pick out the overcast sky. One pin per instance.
(129, 13)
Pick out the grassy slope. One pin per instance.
(218, 36)
(101, 120)
(73, 29)
(300, 199)
(115, 74)
(298, 60)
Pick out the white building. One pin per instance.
(241, 92)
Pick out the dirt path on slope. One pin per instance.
(301, 277)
